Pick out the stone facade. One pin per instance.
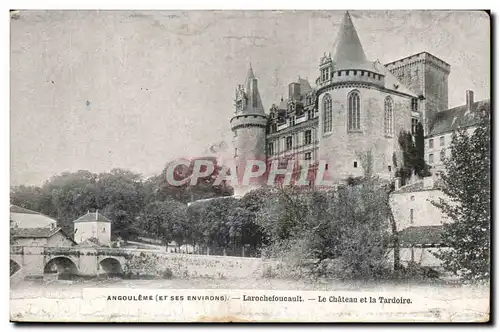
(427, 76)
(295, 125)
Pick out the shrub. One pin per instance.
(167, 273)
(342, 233)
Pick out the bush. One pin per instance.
(342, 233)
(167, 273)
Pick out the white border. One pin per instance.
(185, 4)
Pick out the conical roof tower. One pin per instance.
(348, 51)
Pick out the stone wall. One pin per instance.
(341, 148)
(213, 267)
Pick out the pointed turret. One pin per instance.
(254, 103)
(250, 74)
(349, 51)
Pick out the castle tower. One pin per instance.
(361, 110)
(249, 128)
(427, 76)
(92, 226)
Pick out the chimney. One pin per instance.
(294, 91)
(469, 100)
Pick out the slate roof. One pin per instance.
(25, 218)
(391, 82)
(349, 52)
(18, 209)
(420, 236)
(41, 232)
(92, 217)
(457, 117)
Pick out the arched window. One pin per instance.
(388, 116)
(353, 102)
(327, 114)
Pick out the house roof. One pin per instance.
(92, 217)
(36, 233)
(457, 117)
(391, 82)
(25, 218)
(18, 209)
(420, 236)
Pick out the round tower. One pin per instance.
(249, 133)
(362, 108)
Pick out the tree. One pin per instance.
(119, 195)
(165, 220)
(203, 188)
(72, 194)
(33, 198)
(347, 225)
(420, 167)
(467, 187)
(413, 155)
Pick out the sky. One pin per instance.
(97, 90)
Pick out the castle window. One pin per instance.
(292, 121)
(441, 141)
(340, 73)
(309, 115)
(270, 148)
(389, 168)
(307, 137)
(431, 159)
(362, 73)
(327, 114)
(431, 144)
(353, 120)
(414, 123)
(308, 156)
(103, 230)
(414, 104)
(388, 116)
(289, 143)
(355, 164)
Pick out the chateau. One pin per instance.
(355, 107)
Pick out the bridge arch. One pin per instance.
(111, 266)
(61, 265)
(14, 267)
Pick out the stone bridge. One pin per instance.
(31, 261)
(37, 261)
